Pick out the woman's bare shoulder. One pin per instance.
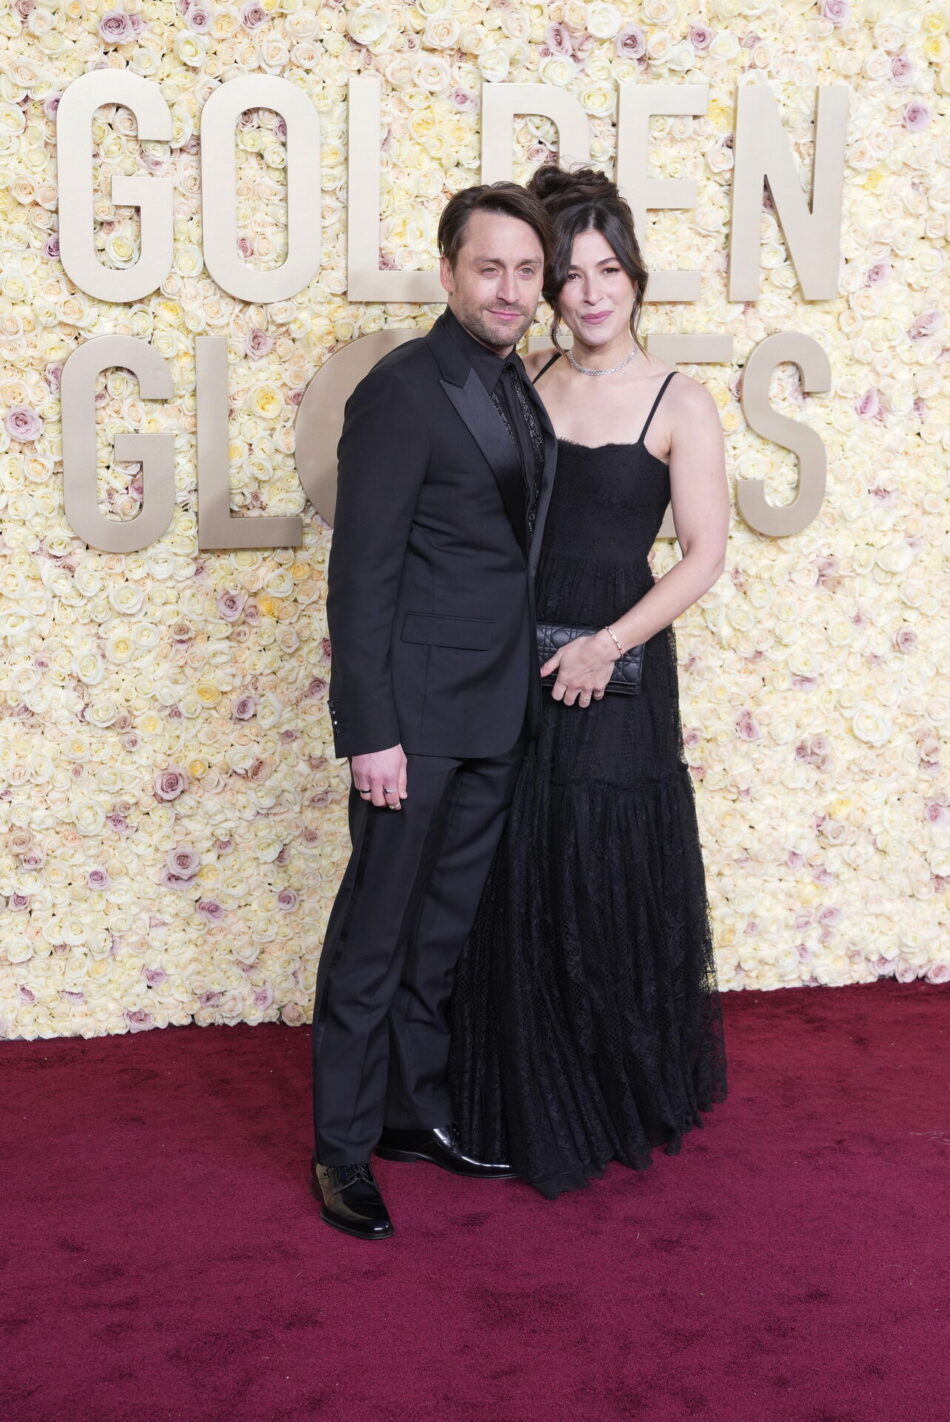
(535, 361)
(690, 396)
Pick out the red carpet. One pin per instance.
(161, 1259)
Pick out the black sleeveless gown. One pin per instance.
(586, 1024)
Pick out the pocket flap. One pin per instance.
(473, 633)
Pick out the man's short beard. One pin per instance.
(477, 327)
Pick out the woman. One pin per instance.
(586, 1024)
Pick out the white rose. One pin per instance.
(603, 20)
(366, 25)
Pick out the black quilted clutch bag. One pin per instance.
(625, 677)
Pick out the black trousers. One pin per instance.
(405, 907)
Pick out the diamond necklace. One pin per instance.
(586, 369)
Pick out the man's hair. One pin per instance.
(507, 198)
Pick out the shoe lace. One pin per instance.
(342, 1176)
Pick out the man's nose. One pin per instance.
(508, 288)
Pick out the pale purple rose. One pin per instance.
(930, 323)
(181, 631)
(837, 11)
(117, 27)
(245, 708)
(54, 378)
(631, 42)
(747, 728)
(246, 247)
(463, 99)
(98, 878)
(287, 900)
(558, 40)
(198, 17)
(878, 273)
(938, 813)
(869, 405)
(169, 784)
(210, 999)
(183, 861)
(174, 881)
(69, 995)
(231, 605)
(23, 423)
(263, 996)
(902, 70)
(155, 976)
(51, 247)
(280, 128)
(26, 994)
(700, 37)
(829, 916)
(33, 859)
(253, 15)
(139, 1021)
(258, 343)
(916, 116)
(120, 824)
(939, 973)
(317, 687)
(18, 903)
(51, 104)
(210, 910)
(905, 639)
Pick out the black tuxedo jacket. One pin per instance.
(430, 608)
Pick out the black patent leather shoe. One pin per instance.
(439, 1146)
(351, 1200)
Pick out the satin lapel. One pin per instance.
(474, 405)
(547, 477)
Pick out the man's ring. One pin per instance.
(387, 791)
(367, 791)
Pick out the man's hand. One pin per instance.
(380, 777)
(583, 669)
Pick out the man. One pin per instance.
(445, 468)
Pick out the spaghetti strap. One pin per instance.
(643, 432)
(546, 366)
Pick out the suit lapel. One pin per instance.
(476, 409)
(547, 475)
(475, 406)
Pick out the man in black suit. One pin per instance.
(445, 469)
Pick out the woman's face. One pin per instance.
(596, 301)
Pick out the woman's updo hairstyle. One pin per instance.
(584, 201)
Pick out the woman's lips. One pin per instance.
(596, 317)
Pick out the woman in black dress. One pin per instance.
(586, 1026)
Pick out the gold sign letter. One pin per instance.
(155, 452)
(762, 155)
(152, 196)
(802, 440)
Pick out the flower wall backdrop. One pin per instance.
(172, 823)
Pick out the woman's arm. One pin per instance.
(700, 501)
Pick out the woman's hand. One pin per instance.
(583, 669)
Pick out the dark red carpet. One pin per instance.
(161, 1258)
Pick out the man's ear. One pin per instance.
(446, 276)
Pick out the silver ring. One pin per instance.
(387, 791)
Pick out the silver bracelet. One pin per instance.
(610, 633)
